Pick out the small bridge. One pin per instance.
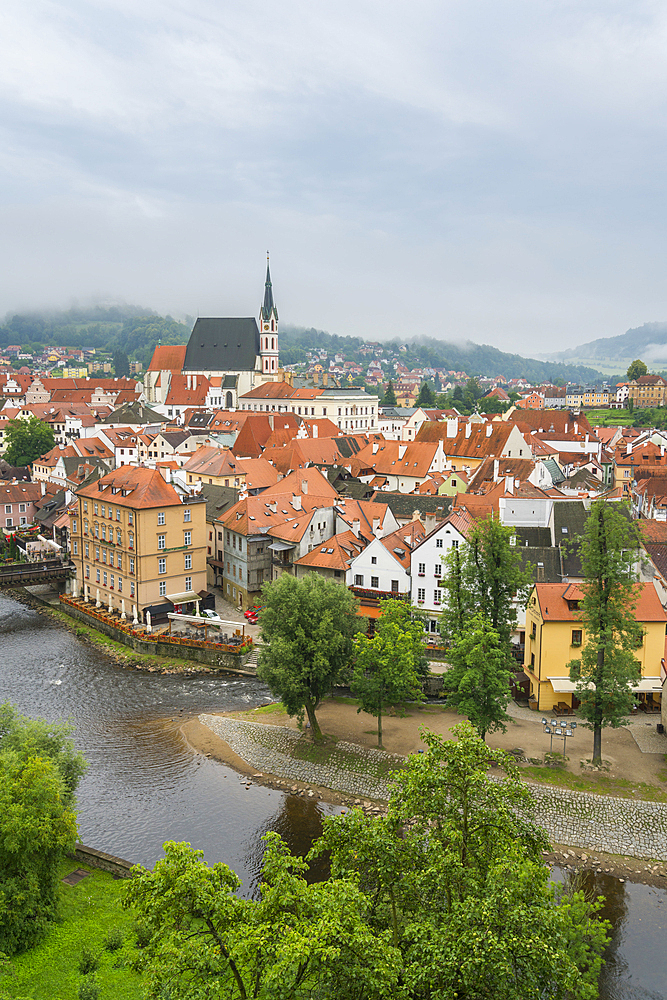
(24, 574)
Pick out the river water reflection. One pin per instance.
(144, 785)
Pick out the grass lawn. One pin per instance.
(611, 418)
(50, 971)
(599, 784)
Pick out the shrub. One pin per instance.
(114, 939)
(89, 990)
(89, 960)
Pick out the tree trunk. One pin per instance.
(312, 718)
(380, 718)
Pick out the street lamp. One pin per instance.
(557, 730)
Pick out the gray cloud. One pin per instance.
(490, 170)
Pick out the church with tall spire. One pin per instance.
(234, 354)
(268, 328)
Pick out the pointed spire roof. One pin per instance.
(268, 305)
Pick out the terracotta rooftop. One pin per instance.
(134, 487)
(553, 598)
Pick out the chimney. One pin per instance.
(376, 525)
(509, 485)
(273, 506)
(576, 427)
(315, 431)
(452, 427)
(296, 501)
(628, 450)
(468, 429)
(304, 486)
(325, 379)
(189, 381)
(316, 378)
(566, 428)
(194, 381)
(402, 448)
(43, 487)
(375, 447)
(356, 525)
(489, 430)
(429, 523)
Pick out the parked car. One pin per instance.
(252, 613)
(212, 616)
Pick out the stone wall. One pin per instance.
(98, 859)
(602, 823)
(219, 660)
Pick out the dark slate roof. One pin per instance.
(174, 438)
(570, 517)
(217, 345)
(533, 536)
(133, 413)
(658, 555)
(545, 562)
(555, 470)
(268, 305)
(230, 382)
(219, 499)
(403, 505)
(199, 420)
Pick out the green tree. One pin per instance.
(485, 575)
(454, 872)
(296, 942)
(385, 669)
(307, 626)
(478, 680)
(608, 665)
(636, 369)
(389, 398)
(26, 440)
(426, 396)
(121, 364)
(39, 771)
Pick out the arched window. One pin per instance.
(273, 343)
(229, 400)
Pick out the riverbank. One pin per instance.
(121, 654)
(267, 747)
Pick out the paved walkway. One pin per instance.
(641, 727)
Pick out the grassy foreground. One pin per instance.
(90, 911)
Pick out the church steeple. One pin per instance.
(268, 310)
(268, 328)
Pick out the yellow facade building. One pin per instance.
(136, 542)
(554, 636)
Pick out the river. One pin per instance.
(144, 785)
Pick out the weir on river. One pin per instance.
(145, 785)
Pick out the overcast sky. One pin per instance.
(485, 170)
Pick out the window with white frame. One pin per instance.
(422, 568)
(358, 580)
(131, 588)
(421, 594)
(163, 588)
(437, 569)
(120, 585)
(98, 574)
(187, 538)
(188, 583)
(186, 515)
(375, 582)
(75, 547)
(161, 541)
(438, 543)
(374, 560)
(188, 561)
(436, 597)
(162, 565)
(160, 517)
(22, 510)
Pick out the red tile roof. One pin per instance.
(553, 598)
(168, 357)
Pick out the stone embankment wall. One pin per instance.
(233, 662)
(578, 819)
(98, 859)
(602, 823)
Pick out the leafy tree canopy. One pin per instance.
(39, 771)
(386, 665)
(389, 398)
(26, 440)
(485, 575)
(121, 364)
(608, 664)
(455, 873)
(307, 626)
(478, 681)
(636, 369)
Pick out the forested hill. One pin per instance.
(474, 359)
(648, 342)
(136, 331)
(131, 329)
